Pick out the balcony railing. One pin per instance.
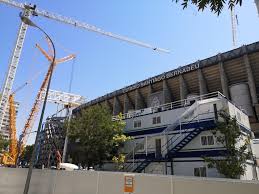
(168, 106)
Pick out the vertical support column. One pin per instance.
(183, 87)
(149, 98)
(127, 103)
(202, 83)
(250, 78)
(150, 89)
(108, 105)
(167, 97)
(223, 78)
(139, 101)
(116, 106)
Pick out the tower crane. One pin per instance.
(16, 148)
(30, 10)
(37, 103)
(9, 158)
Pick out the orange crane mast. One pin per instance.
(36, 106)
(9, 158)
(13, 139)
(16, 148)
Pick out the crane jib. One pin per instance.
(79, 24)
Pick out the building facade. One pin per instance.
(174, 138)
(172, 115)
(234, 73)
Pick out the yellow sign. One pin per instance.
(129, 183)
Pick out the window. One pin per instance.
(156, 120)
(140, 146)
(207, 140)
(204, 140)
(210, 140)
(137, 123)
(200, 172)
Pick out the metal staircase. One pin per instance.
(171, 147)
(135, 167)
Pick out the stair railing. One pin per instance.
(184, 133)
(131, 154)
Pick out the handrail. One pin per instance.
(135, 148)
(168, 106)
(166, 144)
(175, 124)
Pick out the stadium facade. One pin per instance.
(172, 116)
(234, 73)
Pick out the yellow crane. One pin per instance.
(9, 158)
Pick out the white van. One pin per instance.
(68, 166)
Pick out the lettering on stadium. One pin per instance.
(158, 78)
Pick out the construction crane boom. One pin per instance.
(64, 98)
(82, 25)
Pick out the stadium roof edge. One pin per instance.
(220, 57)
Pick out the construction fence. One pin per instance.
(97, 182)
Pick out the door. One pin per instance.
(158, 148)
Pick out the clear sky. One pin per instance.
(104, 64)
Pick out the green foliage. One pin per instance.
(119, 160)
(26, 154)
(95, 136)
(215, 6)
(3, 143)
(233, 163)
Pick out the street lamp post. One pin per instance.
(30, 23)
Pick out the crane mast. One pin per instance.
(233, 26)
(9, 79)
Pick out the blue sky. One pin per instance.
(104, 64)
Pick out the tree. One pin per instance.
(215, 6)
(26, 154)
(95, 136)
(3, 143)
(233, 161)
